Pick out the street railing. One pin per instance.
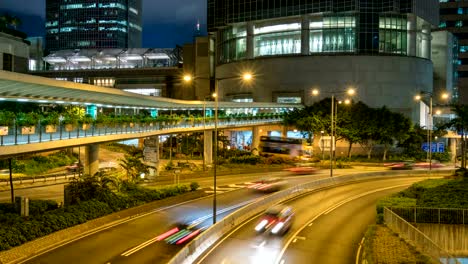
(38, 134)
(208, 238)
(418, 239)
(433, 215)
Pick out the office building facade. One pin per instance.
(454, 18)
(380, 47)
(96, 24)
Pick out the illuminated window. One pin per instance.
(333, 34)
(289, 100)
(392, 34)
(277, 39)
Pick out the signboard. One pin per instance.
(436, 147)
(324, 143)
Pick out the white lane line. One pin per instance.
(328, 210)
(301, 238)
(310, 224)
(361, 244)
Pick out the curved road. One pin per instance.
(328, 228)
(136, 236)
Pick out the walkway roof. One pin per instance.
(29, 88)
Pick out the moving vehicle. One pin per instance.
(400, 165)
(303, 169)
(75, 167)
(292, 147)
(268, 185)
(277, 220)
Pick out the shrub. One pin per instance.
(37, 207)
(194, 186)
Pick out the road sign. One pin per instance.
(435, 147)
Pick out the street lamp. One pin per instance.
(247, 76)
(334, 112)
(429, 121)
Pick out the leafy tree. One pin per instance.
(354, 118)
(133, 165)
(392, 127)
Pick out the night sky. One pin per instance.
(165, 22)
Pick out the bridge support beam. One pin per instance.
(208, 147)
(151, 155)
(255, 140)
(91, 159)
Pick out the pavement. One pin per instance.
(49, 242)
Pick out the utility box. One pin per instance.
(22, 203)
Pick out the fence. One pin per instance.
(433, 215)
(204, 241)
(418, 239)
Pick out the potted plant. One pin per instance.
(7, 119)
(86, 121)
(51, 121)
(28, 122)
(102, 120)
(69, 121)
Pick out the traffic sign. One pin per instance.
(436, 147)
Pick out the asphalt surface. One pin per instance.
(328, 227)
(133, 241)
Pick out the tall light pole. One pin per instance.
(350, 92)
(429, 122)
(188, 78)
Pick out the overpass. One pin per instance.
(20, 88)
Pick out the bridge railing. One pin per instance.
(417, 238)
(20, 135)
(433, 215)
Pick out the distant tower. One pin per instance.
(197, 30)
(82, 24)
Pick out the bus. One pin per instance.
(292, 147)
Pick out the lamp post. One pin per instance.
(188, 78)
(429, 122)
(333, 112)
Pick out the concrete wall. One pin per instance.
(379, 80)
(17, 48)
(453, 238)
(442, 57)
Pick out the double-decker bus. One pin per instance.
(292, 147)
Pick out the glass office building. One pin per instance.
(380, 47)
(81, 24)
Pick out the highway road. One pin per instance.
(328, 228)
(134, 241)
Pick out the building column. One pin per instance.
(284, 131)
(208, 146)
(305, 35)
(411, 35)
(255, 140)
(426, 42)
(250, 40)
(91, 159)
(151, 155)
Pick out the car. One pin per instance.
(268, 185)
(75, 167)
(400, 165)
(303, 169)
(277, 220)
(427, 165)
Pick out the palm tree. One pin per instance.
(460, 124)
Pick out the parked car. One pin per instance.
(277, 220)
(268, 185)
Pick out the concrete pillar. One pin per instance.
(426, 42)
(255, 140)
(208, 146)
(151, 155)
(250, 40)
(284, 131)
(305, 35)
(91, 165)
(411, 35)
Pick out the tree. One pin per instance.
(460, 124)
(354, 118)
(133, 165)
(392, 127)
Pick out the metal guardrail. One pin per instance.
(418, 239)
(204, 241)
(41, 178)
(39, 134)
(433, 215)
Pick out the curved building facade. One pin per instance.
(380, 47)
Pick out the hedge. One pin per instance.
(46, 217)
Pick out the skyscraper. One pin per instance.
(454, 18)
(82, 24)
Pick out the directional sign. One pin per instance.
(435, 147)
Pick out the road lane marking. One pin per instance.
(280, 255)
(310, 224)
(361, 244)
(300, 238)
